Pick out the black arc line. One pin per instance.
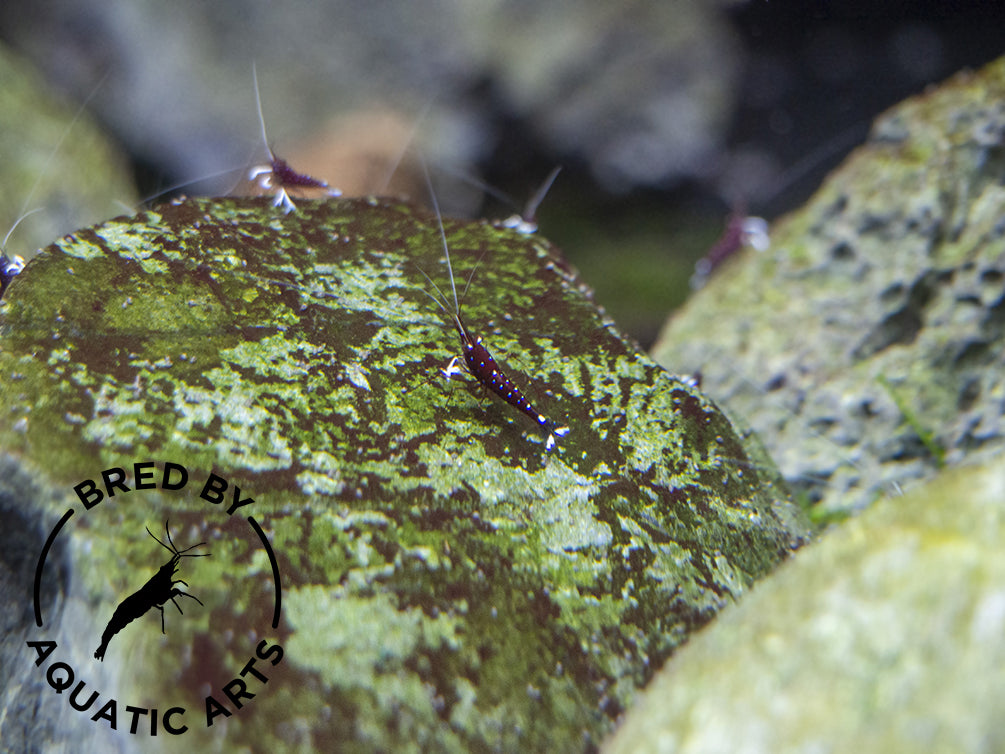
(275, 569)
(41, 565)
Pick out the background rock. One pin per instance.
(32, 717)
(561, 68)
(886, 635)
(53, 158)
(865, 347)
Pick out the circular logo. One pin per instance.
(162, 583)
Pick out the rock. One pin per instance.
(886, 635)
(35, 718)
(446, 584)
(56, 163)
(865, 347)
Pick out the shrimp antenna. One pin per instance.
(393, 166)
(59, 144)
(530, 211)
(496, 193)
(258, 105)
(149, 198)
(48, 163)
(14, 226)
(443, 237)
(173, 548)
(430, 280)
(446, 251)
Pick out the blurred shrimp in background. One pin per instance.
(663, 116)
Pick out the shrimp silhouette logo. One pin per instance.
(189, 578)
(158, 590)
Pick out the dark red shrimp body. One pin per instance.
(485, 369)
(284, 175)
(740, 231)
(478, 359)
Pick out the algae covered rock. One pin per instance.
(886, 635)
(866, 347)
(398, 559)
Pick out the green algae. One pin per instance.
(448, 584)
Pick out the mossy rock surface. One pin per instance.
(447, 583)
(866, 346)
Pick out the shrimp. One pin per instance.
(158, 590)
(478, 359)
(277, 175)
